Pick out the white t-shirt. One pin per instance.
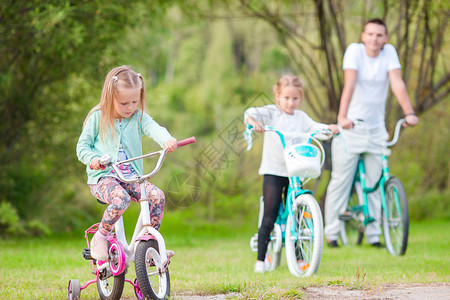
(368, 101)
(272, 161)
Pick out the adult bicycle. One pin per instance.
(394, 216)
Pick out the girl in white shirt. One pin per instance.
(284, 116)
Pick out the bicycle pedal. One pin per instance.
(347, 216)
(87, 254)
(254, 243)
(105, 274)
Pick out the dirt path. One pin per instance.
(413, 291)
(389, 291)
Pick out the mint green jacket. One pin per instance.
(130, 135)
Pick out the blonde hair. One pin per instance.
(119, 78)
(289, 81)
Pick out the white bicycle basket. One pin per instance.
(303, 160)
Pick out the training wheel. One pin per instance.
(74, 289)
(137, 290)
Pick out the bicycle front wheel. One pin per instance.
(396, 219)
(111, 287)
(153, 277)
(304, 237)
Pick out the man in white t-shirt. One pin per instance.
(368, 69)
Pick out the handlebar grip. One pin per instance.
(105, 160)
(187, 141)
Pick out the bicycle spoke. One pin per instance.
(305, 235)
(394, 222)
(152, 273)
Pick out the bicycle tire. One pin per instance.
(352, 232)
(273, 254)
(74, 289)
(106, 292)
(152, 276)
(307, 243)
(396, 225)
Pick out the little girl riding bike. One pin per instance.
(115, 127)
(284, 116)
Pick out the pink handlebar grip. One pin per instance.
(185, 142)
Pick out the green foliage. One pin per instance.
(203, 64)
(50, 51)
(11, 225)
(433, 204)
(420, 160)
(9, 220)
(38, 228)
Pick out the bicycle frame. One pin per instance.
(295, 188)
(143, 229)
(384, 177)
(299, 225)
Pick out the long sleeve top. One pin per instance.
(129, 134)
(272, 161)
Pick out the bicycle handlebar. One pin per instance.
(398, 126)
(187, 141)
(327, 133)
(396, 135)
(106, 161)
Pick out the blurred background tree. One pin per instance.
(204, 63)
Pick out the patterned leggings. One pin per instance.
(119, 195)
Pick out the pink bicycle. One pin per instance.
(147, 248)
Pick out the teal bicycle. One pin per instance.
(299, 225)
(394, 218)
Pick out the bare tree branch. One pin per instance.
(418, 41)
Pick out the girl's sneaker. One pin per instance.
(99, 248)
(260, 267)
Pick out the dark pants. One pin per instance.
(273, 189)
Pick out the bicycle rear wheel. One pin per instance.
(353, 219)
(396, 219)
(304, 237)
(152, 276)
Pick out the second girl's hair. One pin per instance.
(119, 78)
(289, 81)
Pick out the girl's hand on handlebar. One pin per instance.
(95, 164)
(411, 120)
(258, 126)
(334, 128)
(171, 145)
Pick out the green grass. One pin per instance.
(217, 259)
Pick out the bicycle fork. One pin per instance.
(305, 216)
